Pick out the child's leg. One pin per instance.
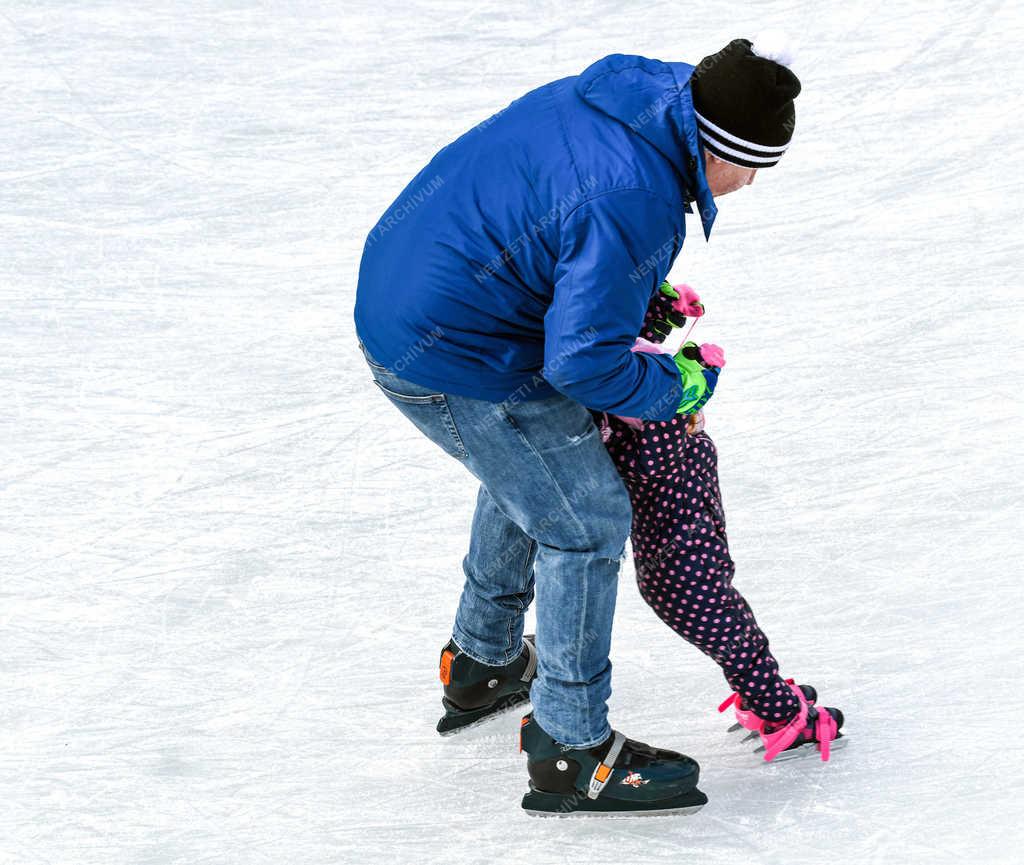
(683, 566)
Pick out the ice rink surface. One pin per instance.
(228, 564)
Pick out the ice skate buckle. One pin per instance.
(603, 770)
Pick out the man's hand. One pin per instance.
(699, 368)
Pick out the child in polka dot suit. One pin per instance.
(681, 552)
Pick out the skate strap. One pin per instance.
(531, 661)
(777, 741)
(732, 698)
(825, 731)
(603, 770)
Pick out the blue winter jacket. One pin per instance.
(523, 257)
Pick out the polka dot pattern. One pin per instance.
(658, 310)
(681, 553)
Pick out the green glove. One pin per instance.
(698, 379)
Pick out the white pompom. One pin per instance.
(774, 45)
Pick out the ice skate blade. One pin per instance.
(685, 811)
(808, 749)
(538, 803)
(452, 725)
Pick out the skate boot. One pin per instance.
(618, 778)
(747, 720)
(812, 728)
(474, 692)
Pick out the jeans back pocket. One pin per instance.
(429, 412)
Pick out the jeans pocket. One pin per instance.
(588, 430)
(551, 425)
(376, 367)
(411, 398)
(431, 415)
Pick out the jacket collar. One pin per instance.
(696, 181)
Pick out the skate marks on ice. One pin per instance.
(229, 569)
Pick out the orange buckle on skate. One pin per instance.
(446, 667)
(522, 723)
(603, 770)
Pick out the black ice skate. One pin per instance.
(618, 778)
(474, 692)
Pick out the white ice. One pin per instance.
(228, 564)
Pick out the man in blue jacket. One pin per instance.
(499, 297)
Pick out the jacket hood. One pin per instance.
(653, 99)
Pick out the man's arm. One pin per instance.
(613, 249)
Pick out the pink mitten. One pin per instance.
(712, 354)
(688, 303)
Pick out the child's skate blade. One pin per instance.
(734, 728)
(458, 721)
(808, 749)
(538, 803)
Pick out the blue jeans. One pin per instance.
(551, 505)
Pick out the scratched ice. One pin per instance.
(228, 564)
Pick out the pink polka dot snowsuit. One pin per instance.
(681, 552)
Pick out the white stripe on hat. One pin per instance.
(766, 160)
(735, 139)
(712, 148)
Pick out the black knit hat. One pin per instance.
(743, 96)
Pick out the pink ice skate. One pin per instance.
(745, 717)
(812, 728)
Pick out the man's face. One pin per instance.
(724, 177)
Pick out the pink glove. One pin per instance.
(712, 354)
(688, 303)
